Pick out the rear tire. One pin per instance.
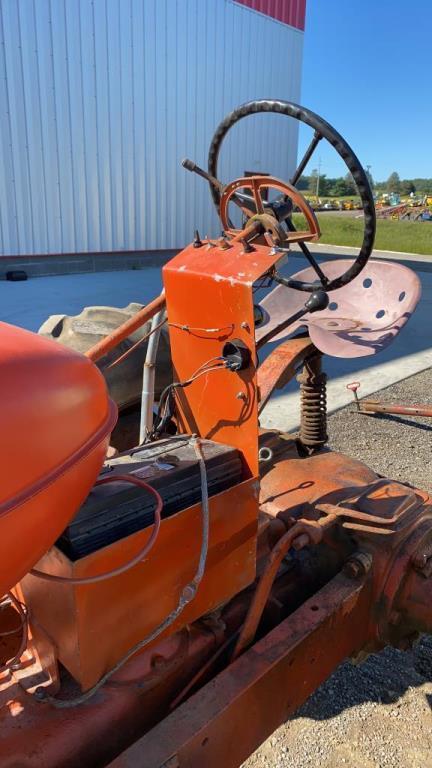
(124, 381)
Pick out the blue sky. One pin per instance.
(368, 70)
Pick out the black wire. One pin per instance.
(167, 400)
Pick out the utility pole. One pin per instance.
(318, 179)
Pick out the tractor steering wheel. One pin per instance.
(281, 208)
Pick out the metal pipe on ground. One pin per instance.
(376, 406)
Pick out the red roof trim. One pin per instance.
(290, 12)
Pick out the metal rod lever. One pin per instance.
(243, 201)
(316, 303)
(194, 168)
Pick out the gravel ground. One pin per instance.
(377, 714)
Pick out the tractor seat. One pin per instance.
(362, 318)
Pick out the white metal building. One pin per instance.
(101, 99)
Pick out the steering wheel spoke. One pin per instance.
(256, 191)
(310, 257)
(306, 157)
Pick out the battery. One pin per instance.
(116, 510)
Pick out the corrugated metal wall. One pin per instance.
(100, 100)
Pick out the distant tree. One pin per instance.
(303, 183)
(422, 185)
(350, 185)
(380, 186)
(393, 183)
(406, 187)
(340, 188)
(324, 185)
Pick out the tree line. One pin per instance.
(345, 185)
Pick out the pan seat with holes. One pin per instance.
(362, 318)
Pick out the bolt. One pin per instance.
(241, 396)
(352, 569)
(40, 693)
(197, 243)
(358, 565)
(247, 247)
(245, 326)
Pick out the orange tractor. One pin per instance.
(172, 604)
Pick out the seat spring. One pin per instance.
(313, 419)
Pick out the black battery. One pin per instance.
(116, 510)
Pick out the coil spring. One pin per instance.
(313, 421)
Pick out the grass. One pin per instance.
(405, 236)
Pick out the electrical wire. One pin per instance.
(191, 328)
(187, 595)
(166, 400)
(133, 347)
(130, 563)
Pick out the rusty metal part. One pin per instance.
(358, 565)
(227, 720)
(397, 504)
(384, 600)
(303, 533)
(273, 232)
(278, 669)
(292, 484)
(143, 692)
(313, 413)
(256, 184)
(280, 366)
(375, 406)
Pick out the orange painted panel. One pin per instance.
(209, 302)
(94, 625)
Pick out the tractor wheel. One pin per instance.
(124, 380)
